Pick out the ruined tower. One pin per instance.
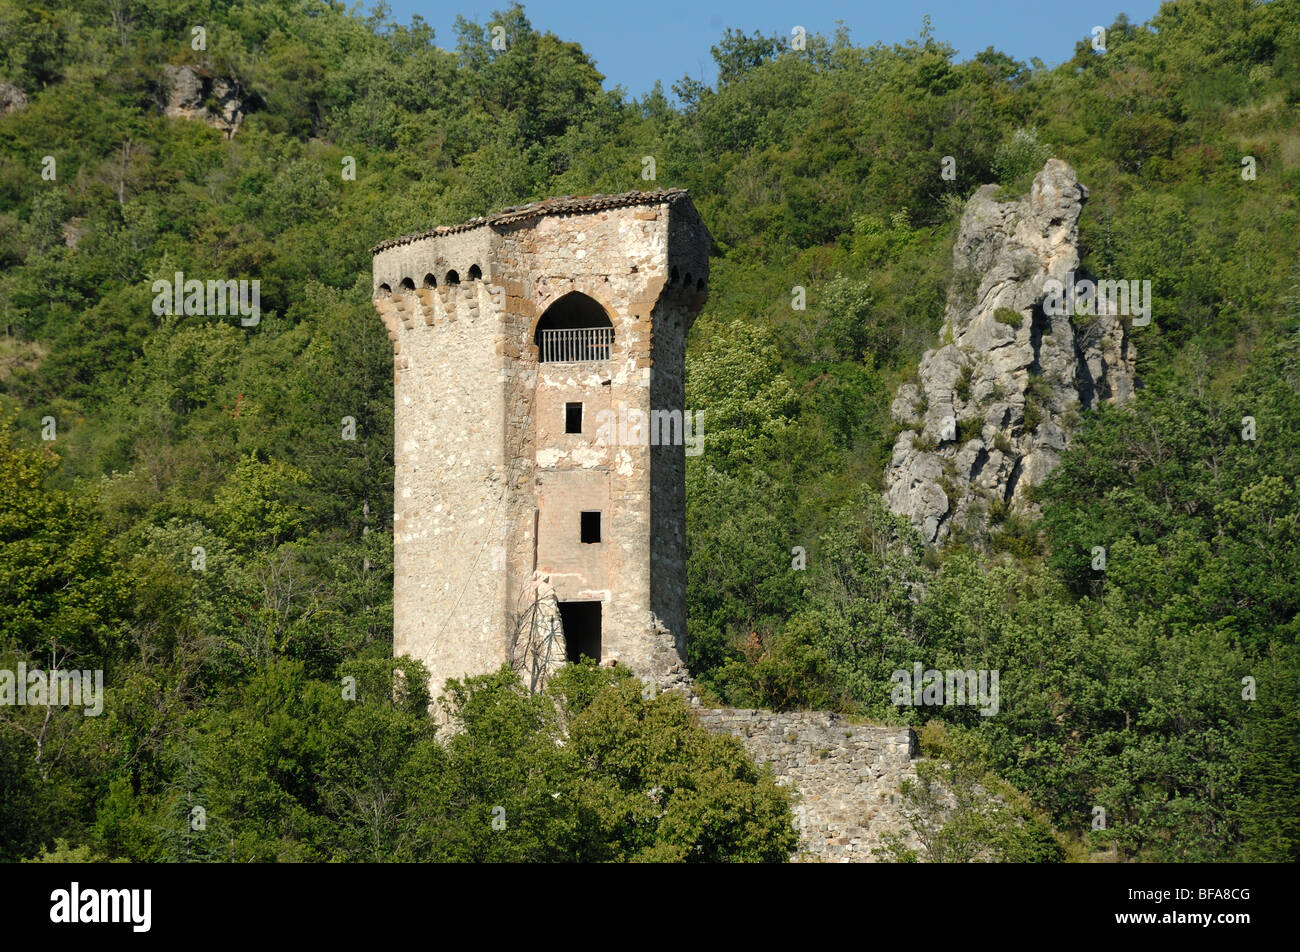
(539, 434)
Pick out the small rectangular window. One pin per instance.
(591, 527)
(573, 418)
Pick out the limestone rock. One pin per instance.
(992, 407)
(192, 93)
(12, 99)
(74, 229)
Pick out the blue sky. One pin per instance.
(635, 42)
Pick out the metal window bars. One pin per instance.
(576, 344)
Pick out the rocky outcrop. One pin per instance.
(193, 93)
(992, 407)
(75, 229)
(12, 99)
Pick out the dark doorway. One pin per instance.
(581, 622)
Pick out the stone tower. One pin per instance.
(540, 434)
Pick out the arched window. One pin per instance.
(699, 284)
(673, 276)
(574, 329)
(407, 285)
(430, 281)
(452, 278)
(475, 272)
(385, 291)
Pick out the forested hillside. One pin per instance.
(181, 506)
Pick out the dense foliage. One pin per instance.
(200, 528)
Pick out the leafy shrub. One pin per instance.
(962, 387)
(1019, 158)
(965, 284)
(969, 428)
(1017, 537)
(961, 812)
(1033, 415)
(924, 444)
(1038, 395)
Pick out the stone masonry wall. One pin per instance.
(674, 314)
(450, 469)
(848, 775)
(489, 486)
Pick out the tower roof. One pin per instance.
(564, 205)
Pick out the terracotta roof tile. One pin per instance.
(565, 205)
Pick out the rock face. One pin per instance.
(993, 405)
(12, 99)
(74, 229)
(192, 94)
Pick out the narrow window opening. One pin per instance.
(581, 621)
(475, 272)
(573, 418)
(407, 285)
(452, 278)
(430, 281)
(591, 527)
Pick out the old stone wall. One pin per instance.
(848, 775)
(675, 311)
(450, 475)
